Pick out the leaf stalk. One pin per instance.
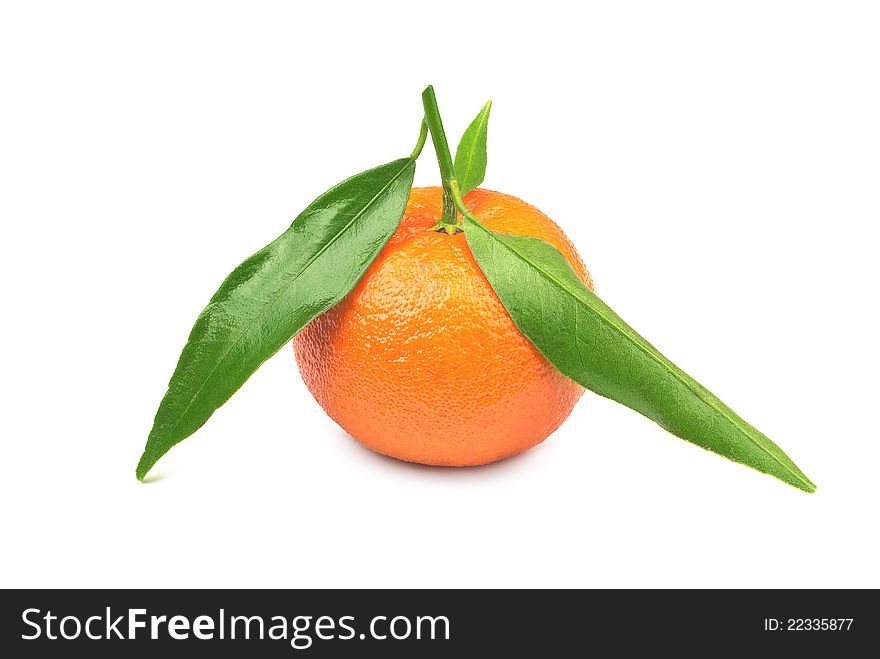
(423, 136)
(455, 188)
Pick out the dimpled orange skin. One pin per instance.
(421, 361)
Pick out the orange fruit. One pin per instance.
(421, 361)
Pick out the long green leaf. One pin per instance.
(582, 337)
(470, 156)
(275, 293)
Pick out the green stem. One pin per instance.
(449, 220)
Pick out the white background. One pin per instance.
(717, 164)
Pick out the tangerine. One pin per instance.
(421, 361)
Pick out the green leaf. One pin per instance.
(275, 293)
(592, 345)
(470, 156)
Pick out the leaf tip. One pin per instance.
(808, 486)
(798, 479)
(143, 467)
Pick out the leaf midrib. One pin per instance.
(279, 292)
(658, 359)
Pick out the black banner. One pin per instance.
(429, 623)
